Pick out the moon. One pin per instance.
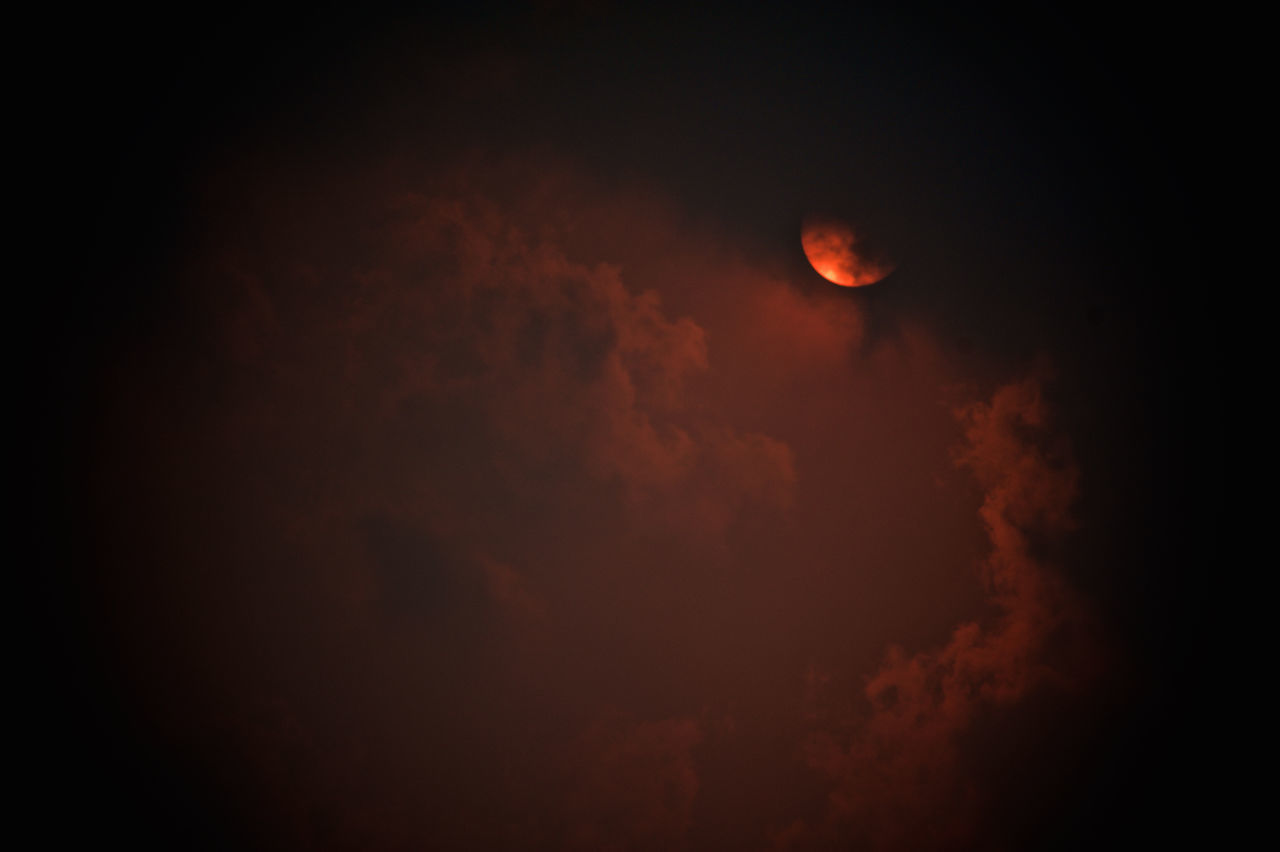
(833, 248)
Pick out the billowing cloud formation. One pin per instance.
(480, 473)
(481, 490)
(897, 780)
(455, 303)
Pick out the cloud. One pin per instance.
(560, 360)
(498, 479)
(898, 780)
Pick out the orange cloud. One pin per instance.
(897, 780)
(487, 462)
(562, 359)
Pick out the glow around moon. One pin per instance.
(832, 247)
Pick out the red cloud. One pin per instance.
(897, 778)
(474, 483)
(561, 358)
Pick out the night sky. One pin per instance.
(439, 440)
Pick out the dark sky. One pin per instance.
(442, 442)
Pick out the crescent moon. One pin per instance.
(832, 248)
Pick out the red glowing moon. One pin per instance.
(833, 248)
